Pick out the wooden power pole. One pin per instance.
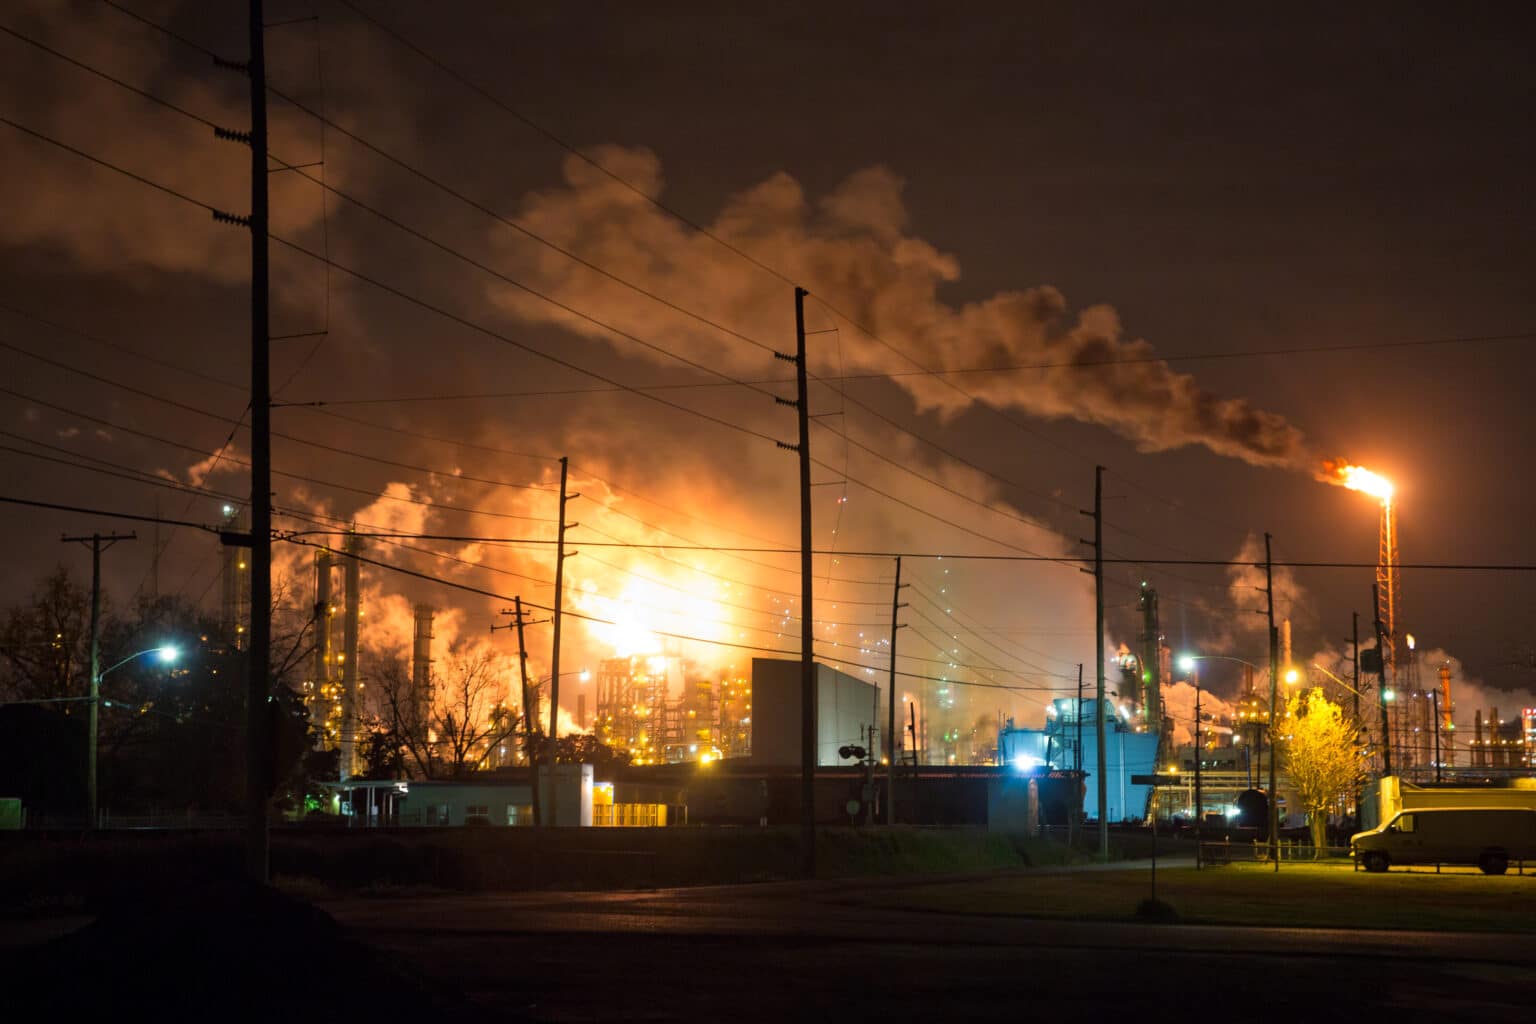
(1100, 767)
(890, 707)
(98, 543)
(1274, 707)
(807, 629)
(554, 657)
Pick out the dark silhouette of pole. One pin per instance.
(1354, 634)
(1435, 697)
(258, 685)
(1074, 822)
(890, 708)
(807, 629)
(1274, 709)
(97, 543)
(1199, 757)
(1382, 690)
(530, 713)
(1100, 766)
(554, 657)
(801, 404)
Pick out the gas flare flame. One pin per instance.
(1356, 478)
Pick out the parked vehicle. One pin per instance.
(1489, 837)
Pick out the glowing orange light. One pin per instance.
(1356, 478)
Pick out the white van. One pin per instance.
(1489, 837)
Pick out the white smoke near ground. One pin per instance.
(853, 247)
(1470, 694)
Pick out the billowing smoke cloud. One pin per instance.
(736, 605)
(853, 247)
(1179, 701)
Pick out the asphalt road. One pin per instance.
(798, 951)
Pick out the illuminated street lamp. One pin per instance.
(166, 654)
(1187, 663)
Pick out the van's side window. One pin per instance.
(1405, 823)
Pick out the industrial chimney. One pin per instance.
(421, 659)
(351, 624)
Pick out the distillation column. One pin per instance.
(421, 661)
(352, 589)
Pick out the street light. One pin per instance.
(166, 654)
(1187, 663)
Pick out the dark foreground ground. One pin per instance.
(826, 950)
(808, 952)
(920, 948)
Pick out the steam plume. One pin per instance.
(853, 247)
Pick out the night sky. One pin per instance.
(981, 186)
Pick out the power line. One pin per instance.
(397, 292)
(546, 133)
(336, 485)
(84, 510)
(82, 154)
(961, 556)
(485, 268)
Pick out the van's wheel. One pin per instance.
(1375, 861)
(1493, 863)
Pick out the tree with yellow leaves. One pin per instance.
(1321, 757)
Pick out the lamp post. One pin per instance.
(1194, 673)
(1189, 663)
(167, 654)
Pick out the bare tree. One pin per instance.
(470, 712)
(45, 642)
(400, 713)
(450, 731)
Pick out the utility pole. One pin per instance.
(1382, 691)
(554, 657)
(890, 710)
(1077, 767)
(257, 692)
(98, 543)
(1199, 757)
(529, 711)
(351, 635)
(1354, 636)
(807, 631)
(1274, 709)
(1098, 608)
(1435, 697)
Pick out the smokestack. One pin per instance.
(235, 584)
(1495, 738)
(322, 671)
(421, 659)
(352, 586)
(1285, 645)
(1479, 755)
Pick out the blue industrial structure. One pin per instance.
(1068, 742)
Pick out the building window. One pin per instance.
(482, 810)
